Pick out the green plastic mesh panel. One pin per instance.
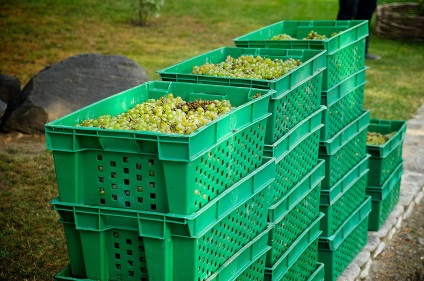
(305, 265)
(349, 249)
(295, 165)
(127, 259)
(338, 212)
(227, 164)
(341, 113)
(230, 235)
(293, 224)
(381, 168)
(343, 63)
(255, 271)
(381, 209)
(293, 108)
(350, 154)
(135, 181)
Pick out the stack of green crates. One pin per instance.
(385, 174)
(141, 205)
(292, 138)
(343, 136)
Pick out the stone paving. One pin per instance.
(411, 194)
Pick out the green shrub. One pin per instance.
(147, 8)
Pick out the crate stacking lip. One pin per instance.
(294, 213)
(247, 264)
(318, 274)
(386, 157)
(344, 103)
(112, 243)
(344, 150)
(153, 171)
(345, 50)
(384, 198)
(296, 154)
(313, 61)
(337, 251)
(343, 197)
(300, 258)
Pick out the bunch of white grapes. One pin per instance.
(312, 35)
(248, 66)
(169, 114)
(282, 37)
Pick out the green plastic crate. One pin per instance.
(247, 264)
(384, 198)
(343, 198)
(100, 238)
(152, 171)
(345, 51)
(296, 211)
(313, 62)
(343, 151)
(385, 157)
(318, 274)
(337, 251)
(292, 108)
(299, 261)
(344, 104)
(296, 154)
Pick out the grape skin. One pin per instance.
(248, 66)
(169, 114)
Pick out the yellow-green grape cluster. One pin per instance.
(374, 138)
(169, 114)
(313, 35)
(248, 66)
(282, 37)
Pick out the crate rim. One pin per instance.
(248, 247)
(288, 253)
(340, 139)
(190, 221)
(328, 197)
(381, 151)
(331, 243)
(379, 193)
(327, 40)
(277, 211)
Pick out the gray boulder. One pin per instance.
(10, 96)
(69, 85)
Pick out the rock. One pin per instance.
(421, 241)
(71, 84)
(373, 242)
(379, 249)
(351, 272)
(419, 197)
(362, 258)
(391, 233)
(2, 108)
(10, 88)
(365, 271)
(409, 211)
(10, 96)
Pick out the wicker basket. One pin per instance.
(400, 21)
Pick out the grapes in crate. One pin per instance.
(169, 114)
(248, 66)
(374, 138)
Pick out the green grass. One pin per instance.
(37, 33)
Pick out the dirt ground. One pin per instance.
(402, 259)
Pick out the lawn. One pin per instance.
(37, 33)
